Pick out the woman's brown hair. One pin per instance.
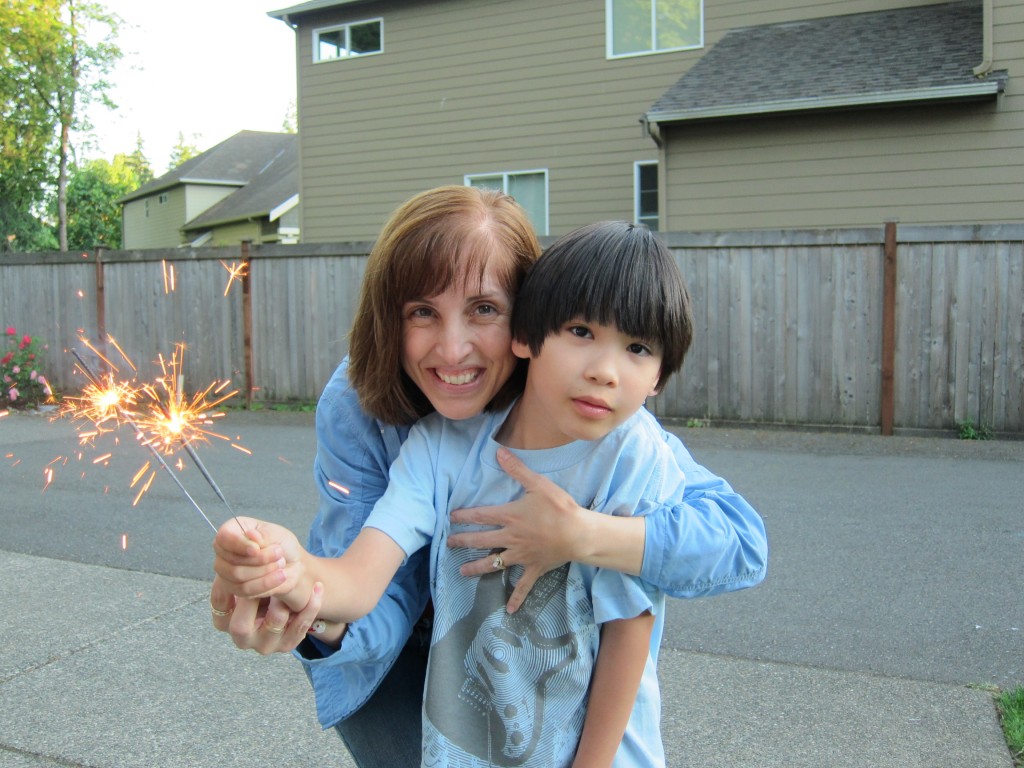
(433, 240)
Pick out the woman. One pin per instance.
(429, 287)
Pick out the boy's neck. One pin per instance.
(519, 432)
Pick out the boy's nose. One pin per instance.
(602, 370)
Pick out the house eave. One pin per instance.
(986, 89)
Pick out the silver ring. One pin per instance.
(498, 563)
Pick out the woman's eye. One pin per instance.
(420, 312)
(487, 309)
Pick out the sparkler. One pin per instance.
(149, 444)
(160, 414)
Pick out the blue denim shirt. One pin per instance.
(708, 542)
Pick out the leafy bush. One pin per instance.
(22, 385)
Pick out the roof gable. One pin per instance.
(234, 162)
(909, 54)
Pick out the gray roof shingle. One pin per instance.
(234, 162)
(904, 55)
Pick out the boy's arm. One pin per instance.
(269, 561)
(620, 666)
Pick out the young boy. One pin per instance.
(604, 319)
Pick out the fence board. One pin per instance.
(787, 323)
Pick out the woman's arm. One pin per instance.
(706, 540)
(614, 685)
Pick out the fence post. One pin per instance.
(247, 324)
(888, 405)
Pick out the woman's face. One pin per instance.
(457, 346)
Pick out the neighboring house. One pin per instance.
(245, 188)
(719, 115)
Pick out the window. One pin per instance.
(636, 27)
(529, 188)
(162, 199)
(359, 38)
(645, 196)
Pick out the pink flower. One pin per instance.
(46, 390)
(7, 358)
(16, 370)
(26, 339)
(11, 331)
(34, 375)
(12, 394)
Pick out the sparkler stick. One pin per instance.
(156, 453)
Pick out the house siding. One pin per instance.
(474, 87)
(468, 88)
(161, 226)
(202, 197)
(927, 164)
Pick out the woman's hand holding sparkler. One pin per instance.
(264, 625)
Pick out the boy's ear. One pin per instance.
(521, 350)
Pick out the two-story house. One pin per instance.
(244, 188)
(687, 115)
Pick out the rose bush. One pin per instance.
(22, 384)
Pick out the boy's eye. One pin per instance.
(580, 331)
(637, 348)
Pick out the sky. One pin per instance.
(204, 68)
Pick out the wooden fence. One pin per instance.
(889, 328)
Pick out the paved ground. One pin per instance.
(893, 600)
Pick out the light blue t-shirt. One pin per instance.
(512, 689)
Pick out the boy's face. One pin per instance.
(455, 346)
(587, 380)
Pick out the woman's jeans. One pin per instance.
(387, 730)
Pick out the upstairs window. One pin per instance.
(360, 38)
(529, 188)
(636, 27)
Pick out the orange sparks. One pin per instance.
(168, 270)
(338, 487)
(48, 476)
(124, 541)
(235, 272)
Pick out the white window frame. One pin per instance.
(637, 218)
(541, 227)
(610, 33)
(347, 28)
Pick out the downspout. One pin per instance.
(986, 39)
(652, 130)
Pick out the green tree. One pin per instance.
(182, 152)
(94, 214)
(291, 119)
(138, 164)
(54, 58)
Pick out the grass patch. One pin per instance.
(968, 431)
(1010, 705)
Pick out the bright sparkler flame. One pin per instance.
(165, 418)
